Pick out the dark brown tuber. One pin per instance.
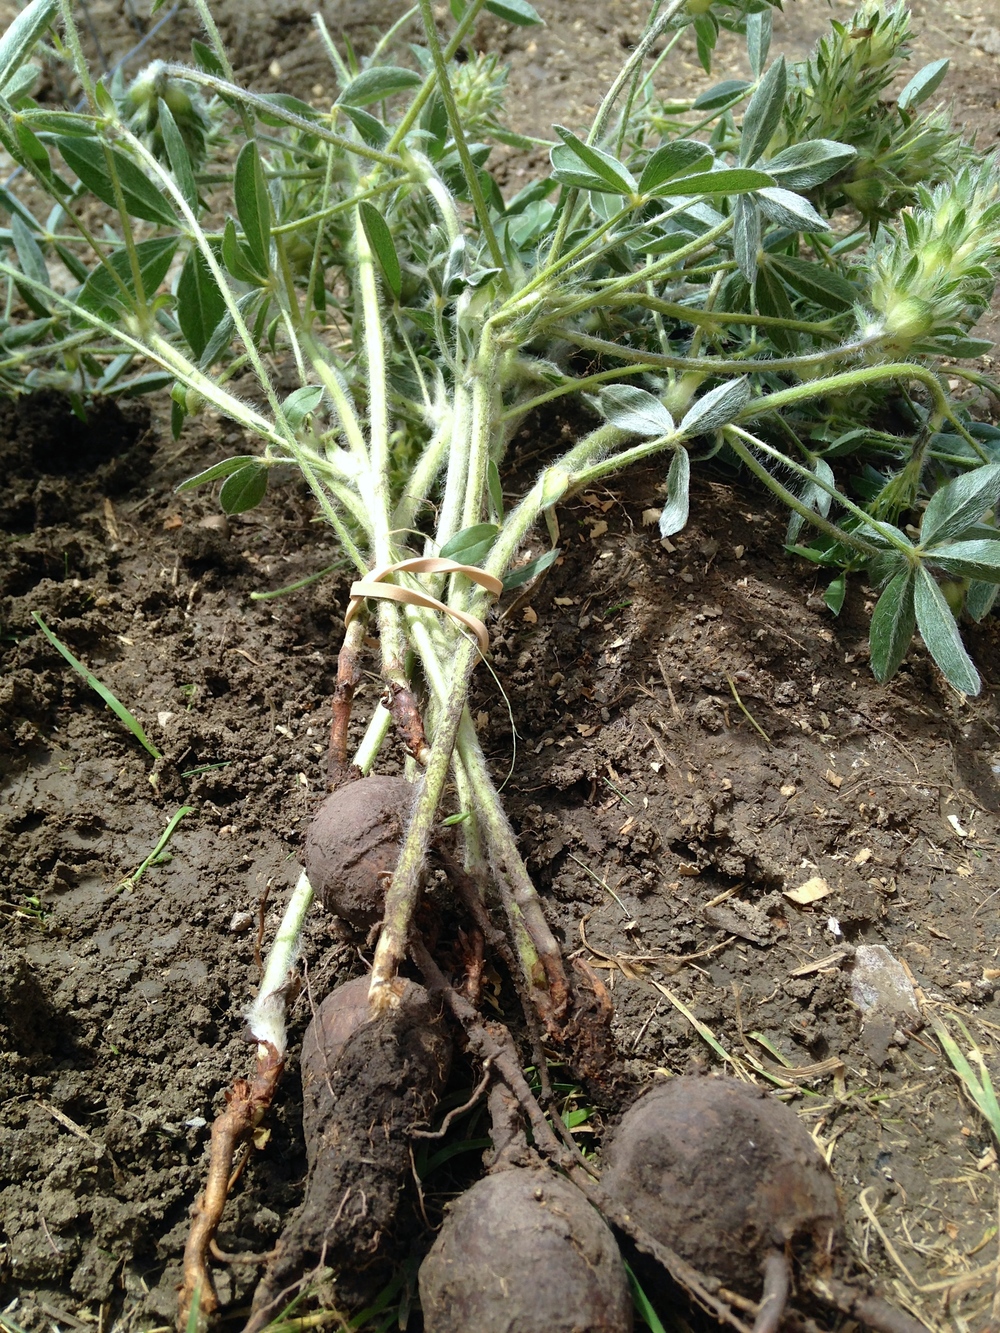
(368, 1092)
(353, 843)
(342, 1012)
(730, 1179)
(524, 1252)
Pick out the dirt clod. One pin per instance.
(524, 1252)
(353, 841)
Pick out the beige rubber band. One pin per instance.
(372, 586)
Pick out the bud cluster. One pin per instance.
(933, 276)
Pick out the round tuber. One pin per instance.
(730, 1179)
(343, 1011)
(353, 842)
(523, 1251)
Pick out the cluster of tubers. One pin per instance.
(712, 1174)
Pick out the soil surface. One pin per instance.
(697, 736)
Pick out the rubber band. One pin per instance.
(373, 586)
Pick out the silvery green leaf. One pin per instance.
(980, 598)
(730, 90)
(21, 35)
(717, 408)
(633, 409)
(978, 559)
(814, 496)
(746, 235)
(763, 113)
(29, 252)
(299, 404)
(378, 82)
(892, 626)
(955, 507)
(940, 633)
(790, 210)
(923, 83)
(758, 40)
(673, 159)
(22, 82)
(804, 165)
(674, 515)
(616, 178)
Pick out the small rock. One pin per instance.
(988, 40)
(884, 994)
(240, 923)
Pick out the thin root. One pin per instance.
(246, 1103)
(777, 1282)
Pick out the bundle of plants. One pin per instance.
(755, 276)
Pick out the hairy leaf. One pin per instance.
(381, 242)
(674, 514)
(616, 178)
(200, 303)
(672, 159)
(244, 489)
(253, 206)
(378, 82)
(471, 545)
(940, 633)
(633, 409)
(969, 559)
(892, 626)
(102, 296)
(804, 165)
(217, 470)
(142, 198)
(763, 113)
(298, 405)
(21, 35)
(923, 83)
(717, 408)
(955, 507)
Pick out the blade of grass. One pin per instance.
(118, 708)
(643, 1305)
(130, 881)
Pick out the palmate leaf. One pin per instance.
(893, 623)
(617, 179)
(940, 633)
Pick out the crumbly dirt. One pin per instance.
(696, 736)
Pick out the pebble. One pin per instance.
(240, 923)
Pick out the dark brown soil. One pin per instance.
(696, 735)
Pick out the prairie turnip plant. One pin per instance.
(753, 273)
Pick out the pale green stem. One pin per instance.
(372, 741)
(266, 1016)
(458, 134)
(633, 63)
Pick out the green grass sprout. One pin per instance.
(116, 706)
(156, 856)
(978, 1086)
